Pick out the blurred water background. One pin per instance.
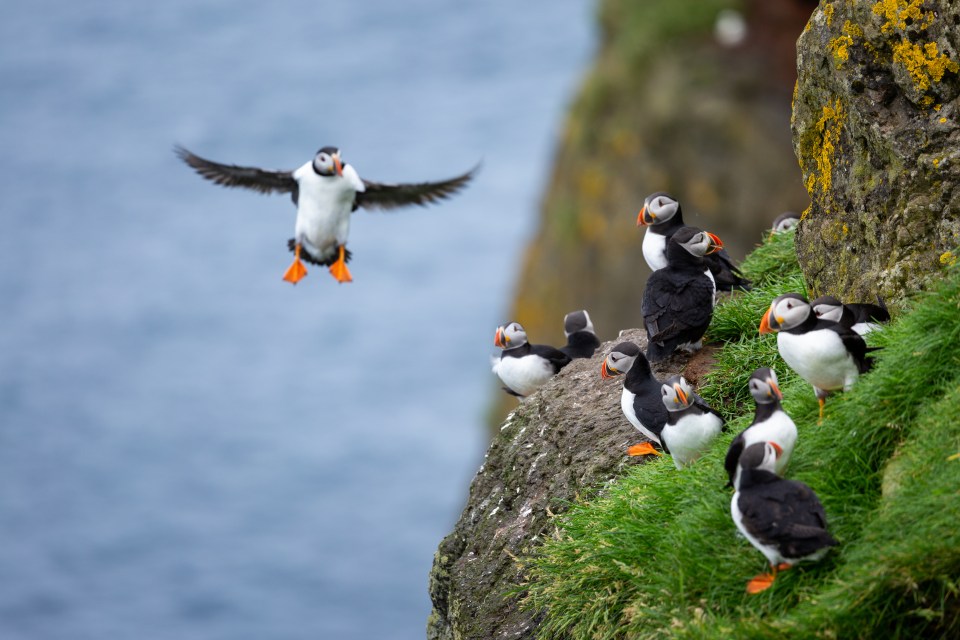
(191, 448)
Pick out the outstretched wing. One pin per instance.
(231, 175)
(389, 196)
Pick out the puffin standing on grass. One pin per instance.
(783, 519)
(640, 399)
(662, 217)
(582, 341)
(524, 367)
(326, 191)
(691, 423)
(862, 318)
(770, 424)
(824, 353)
(678, 299)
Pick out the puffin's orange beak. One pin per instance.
(607, 372)
(715, 243)
(337, 164)
(765, 323)
(777, 448)
(644, 218)
(775, 389)
(680, 394)
(500, 339)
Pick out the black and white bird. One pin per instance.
(678, 299)
(783, 519)
(582, 341)
(691, 423)
(326, 191)
(662, 217)
(862, 318)
(785, 222)
(640, 399)
(826, 354)
(524, 367)
(770, 424)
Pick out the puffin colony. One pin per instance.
(821, 341)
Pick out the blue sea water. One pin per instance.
(191, 448)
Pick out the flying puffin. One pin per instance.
(785, 222)
(523, 367)
(770, 424)
(662, 216)
(678, 299)
(862, 318)
(824, 353)
(326, 191)
(640, 399)
(691, 424)
(582, 341)
(783, 519)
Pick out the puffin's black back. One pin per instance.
(581, 344)
(647, 404)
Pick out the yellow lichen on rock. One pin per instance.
(925, 63)
(840, 46)
(948, 259)
(898, 12)
(827, 130)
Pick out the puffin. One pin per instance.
(524, 367)
(325, 190)
(582, 341)
(640, 400)
(785, 222)
(770, 424)
(783, 519)
(678, 299)
(662, 217)
(862, 318)
(824, 353)
(691, 423)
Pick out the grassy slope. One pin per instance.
(656, 554)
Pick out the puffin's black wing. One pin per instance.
(726, 274)
(581, 344)
(733, 456)
(556, 357)
(672, 305)
(786, 514)
(854, 344)
(650, 410)
(231, 175)
(390, 196)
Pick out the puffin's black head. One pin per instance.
(327, 162)
(761, 455)
(622, 358)
(657, 208)
(692, 241)
(577, 321)
(828, 308)
(764, 387)
(785, 312)
(510, 335)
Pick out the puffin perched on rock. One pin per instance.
(770, 424)
(678, 299)
(691, 423)
(783, 519)
(326, 190)
(524, 367)
(662, 217)
(862, 318)
(640, 399)
(826, 354)
(582, 341)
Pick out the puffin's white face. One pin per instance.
(828, 311)
(676, 393)
(764, 386)
(577, 321)
(617, 363)
(789, 311)
(786, 224)
(327, 162)
(761, 455)
(510, 336)
(702, 243)
(657, 209)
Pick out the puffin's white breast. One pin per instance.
(778, 428)
(324, 205)
(819, 357)
(524, 375)
(690, 436)
(654, 246)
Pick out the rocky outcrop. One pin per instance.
(875, 127)
(567, 439)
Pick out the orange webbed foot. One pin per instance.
(339, 268)
(643, 449)
(760, 583)
(297, 271)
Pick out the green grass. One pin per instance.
(655, 555)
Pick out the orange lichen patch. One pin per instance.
(897, 12)
(840, 46)
(827, 132)
(924, 63)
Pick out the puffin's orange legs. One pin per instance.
(297, 271)
(643, 449)
(339, 268)
(764, 581)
